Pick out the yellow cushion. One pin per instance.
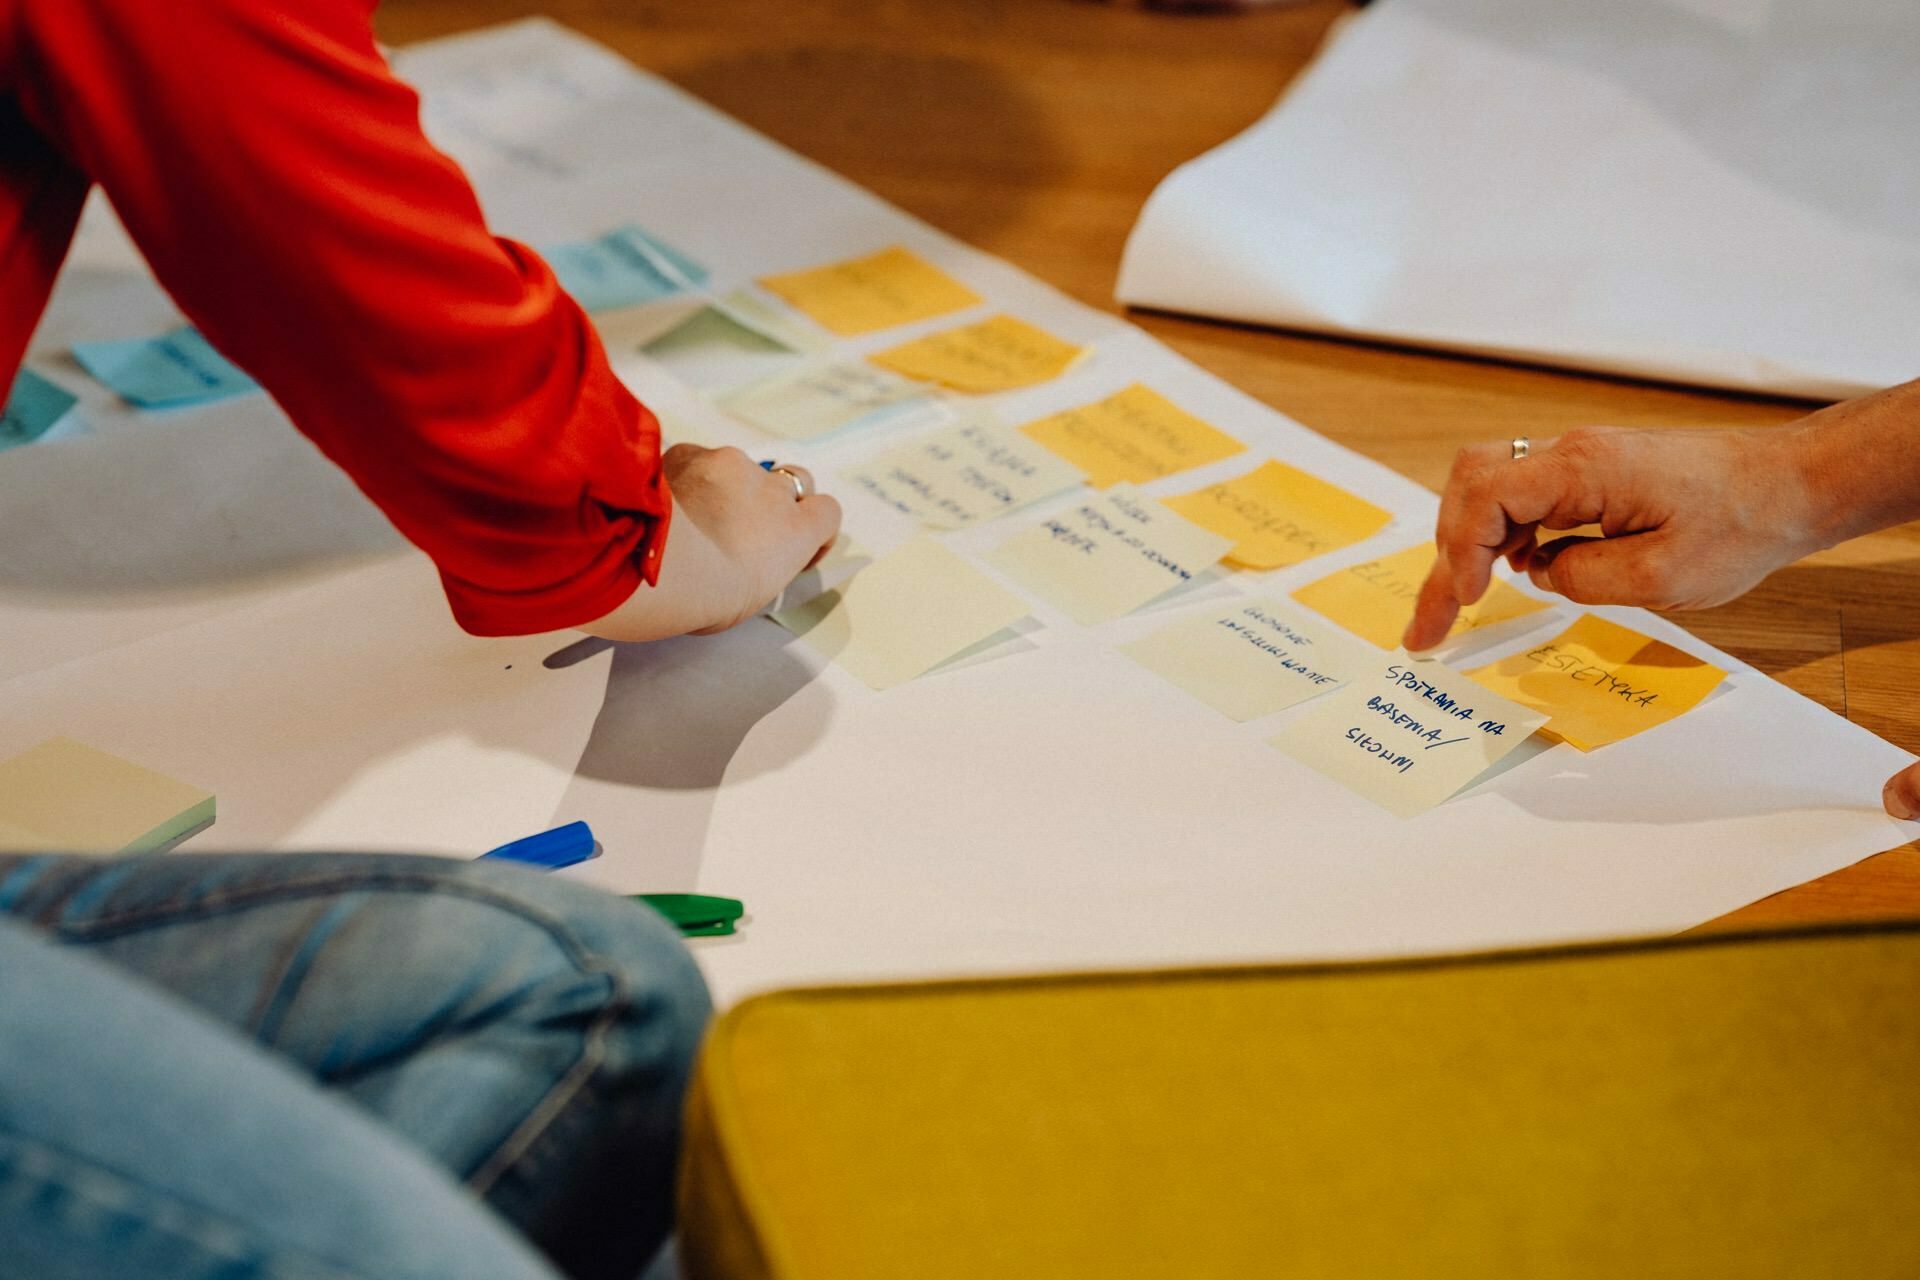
(1743, 1106)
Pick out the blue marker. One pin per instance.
(560, 847)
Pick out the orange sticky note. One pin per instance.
(1278, 515)
(862, 295)
(1131, 437)
(1602, 682)
(1374, 599)
(996, 354)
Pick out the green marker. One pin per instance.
(696, 915)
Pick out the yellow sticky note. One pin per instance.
(1374, 599)
(1251, 658)
(1108, 556)
(996, 354)
(1602, 682)
(971, 472)
(1407, 734)
(65, 797)
(822, 397)
(1278, 515)
(862, 295)
(1131, 437)
(904, 614)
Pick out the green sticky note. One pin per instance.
(33, 407)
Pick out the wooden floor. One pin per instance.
(1035, 129)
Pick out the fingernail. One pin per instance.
(1895, 803)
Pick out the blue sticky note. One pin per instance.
(32, 407)
(623, 268)
(177, 368)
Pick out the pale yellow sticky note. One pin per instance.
(905, 614)
(892, 287)
(1251, 658)
(1374, 599)
(1407, 734)
(996, 354)
(65, 797)
(1131, 437)
(1109, 555)
(1602, 682)
(819, 398)
(1278, 515)
(968, 473)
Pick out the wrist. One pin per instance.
(1855, 466)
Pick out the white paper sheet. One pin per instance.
(1044, 802)
(1724, 192)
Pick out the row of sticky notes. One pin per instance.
(1114, 553)
(1406, 733)
(861, 295)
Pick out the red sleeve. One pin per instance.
(273, 172)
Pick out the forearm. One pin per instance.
(274, 173)
(1860, 463)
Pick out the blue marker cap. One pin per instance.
(560, 847)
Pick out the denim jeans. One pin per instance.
(334, 1065)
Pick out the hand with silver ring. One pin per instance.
(801, 479)
(1687, 519)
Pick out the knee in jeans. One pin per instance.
(634, 944)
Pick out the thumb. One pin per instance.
(1901, 795)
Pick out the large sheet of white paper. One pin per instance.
(1724, 192)
(1045, 802)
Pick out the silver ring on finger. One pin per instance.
(1521, 448)
(801, 489)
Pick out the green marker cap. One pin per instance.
(697, 915)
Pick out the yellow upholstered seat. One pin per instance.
(1742, 1106)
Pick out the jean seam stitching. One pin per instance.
(540, 1118)
(223, 900)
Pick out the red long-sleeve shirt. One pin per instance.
(274, 174)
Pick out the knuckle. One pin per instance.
(1580, 446)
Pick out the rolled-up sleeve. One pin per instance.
(273, 171)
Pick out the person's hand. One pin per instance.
(739, 536)
(1689, 519)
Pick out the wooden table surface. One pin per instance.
(1035, 129)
